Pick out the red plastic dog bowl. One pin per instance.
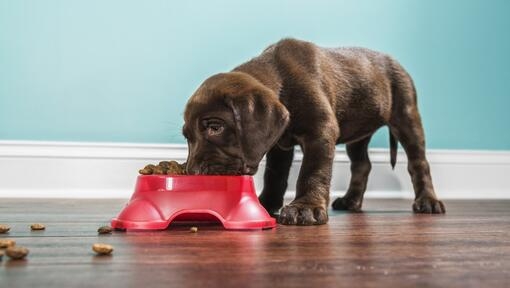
(159, 200)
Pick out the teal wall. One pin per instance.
(121, 71)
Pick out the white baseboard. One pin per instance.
(108, 170)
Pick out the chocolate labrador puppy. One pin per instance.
(296, 93)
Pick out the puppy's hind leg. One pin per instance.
(360, 168)
(409, 132)
(278, 164)
(405, 124)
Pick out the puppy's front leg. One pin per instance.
(278, 164)
(312, 191)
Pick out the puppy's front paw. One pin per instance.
(428, 205)
(303, 214)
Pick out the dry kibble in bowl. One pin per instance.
(165, 163)
(164, 168)
(4, 228)
(105, 230)
(175, 168)
(102, 249)
(158, 170)
(5, 243)
(37, 226)
(147, 170)
(16, 252)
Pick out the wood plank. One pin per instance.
(385, 246)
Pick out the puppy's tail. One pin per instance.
(393, 150)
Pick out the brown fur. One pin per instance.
(296, 93)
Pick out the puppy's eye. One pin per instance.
(214, 129)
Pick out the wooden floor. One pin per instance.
(385, 246)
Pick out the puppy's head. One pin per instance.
(231, 121)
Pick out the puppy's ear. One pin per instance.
(260, 120)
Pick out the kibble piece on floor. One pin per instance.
(104, 230)
(102, 249)
(4, 243)
(16, 252)
(4, 228)
(37, 226)
(193, 229)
